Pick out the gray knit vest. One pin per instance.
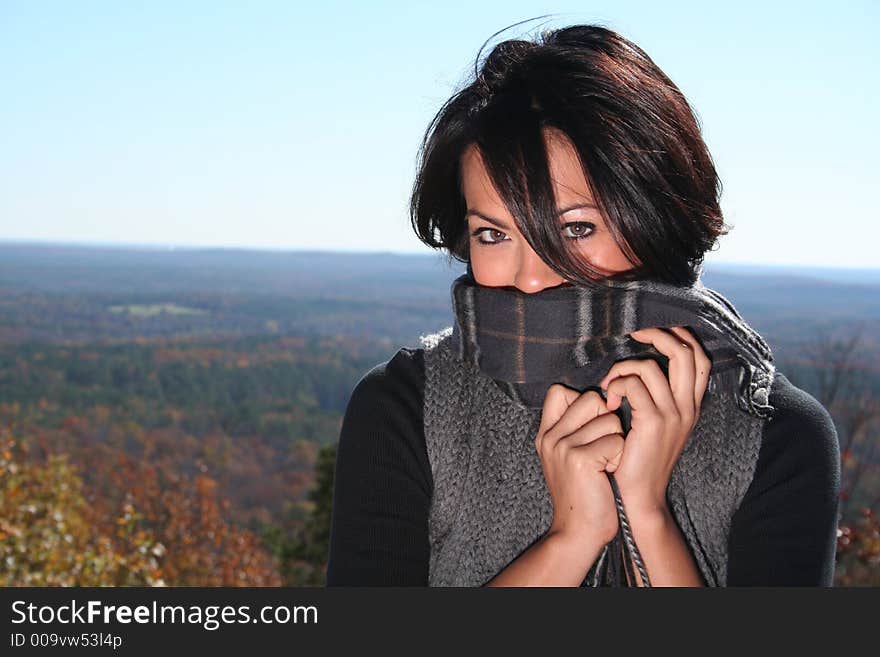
(490, 500)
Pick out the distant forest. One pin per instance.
(170, 417)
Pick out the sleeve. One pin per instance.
(382, 481)
(785, 531)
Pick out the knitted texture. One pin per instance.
(490, 501)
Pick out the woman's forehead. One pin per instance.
(570, 186)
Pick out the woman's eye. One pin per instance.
(579, 229)
(491, 231)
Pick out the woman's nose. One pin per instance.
(533, 274)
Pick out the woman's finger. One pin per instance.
(602, 425)
(682, 367)
(633, 388)
(581, 410)
(652, 376)
(556, 401)
(702, 363)
(605, 451)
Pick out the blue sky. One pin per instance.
(290, 125)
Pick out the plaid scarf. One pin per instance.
(574, 334)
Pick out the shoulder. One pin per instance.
(801, 428)
(383, 429)
(399, 379)
(799, 454)
(798, 408)
(384, 419)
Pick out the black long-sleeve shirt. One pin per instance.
(783, 534)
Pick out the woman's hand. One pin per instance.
(578, 440)
(664, 412)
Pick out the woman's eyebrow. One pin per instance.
(501, 224)
(576, 206)
(491, 220)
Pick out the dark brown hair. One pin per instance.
(637, 137)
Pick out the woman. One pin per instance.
(594, 415)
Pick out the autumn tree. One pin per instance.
(48, 536)
(303, 555)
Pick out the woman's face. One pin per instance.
(500, 255)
